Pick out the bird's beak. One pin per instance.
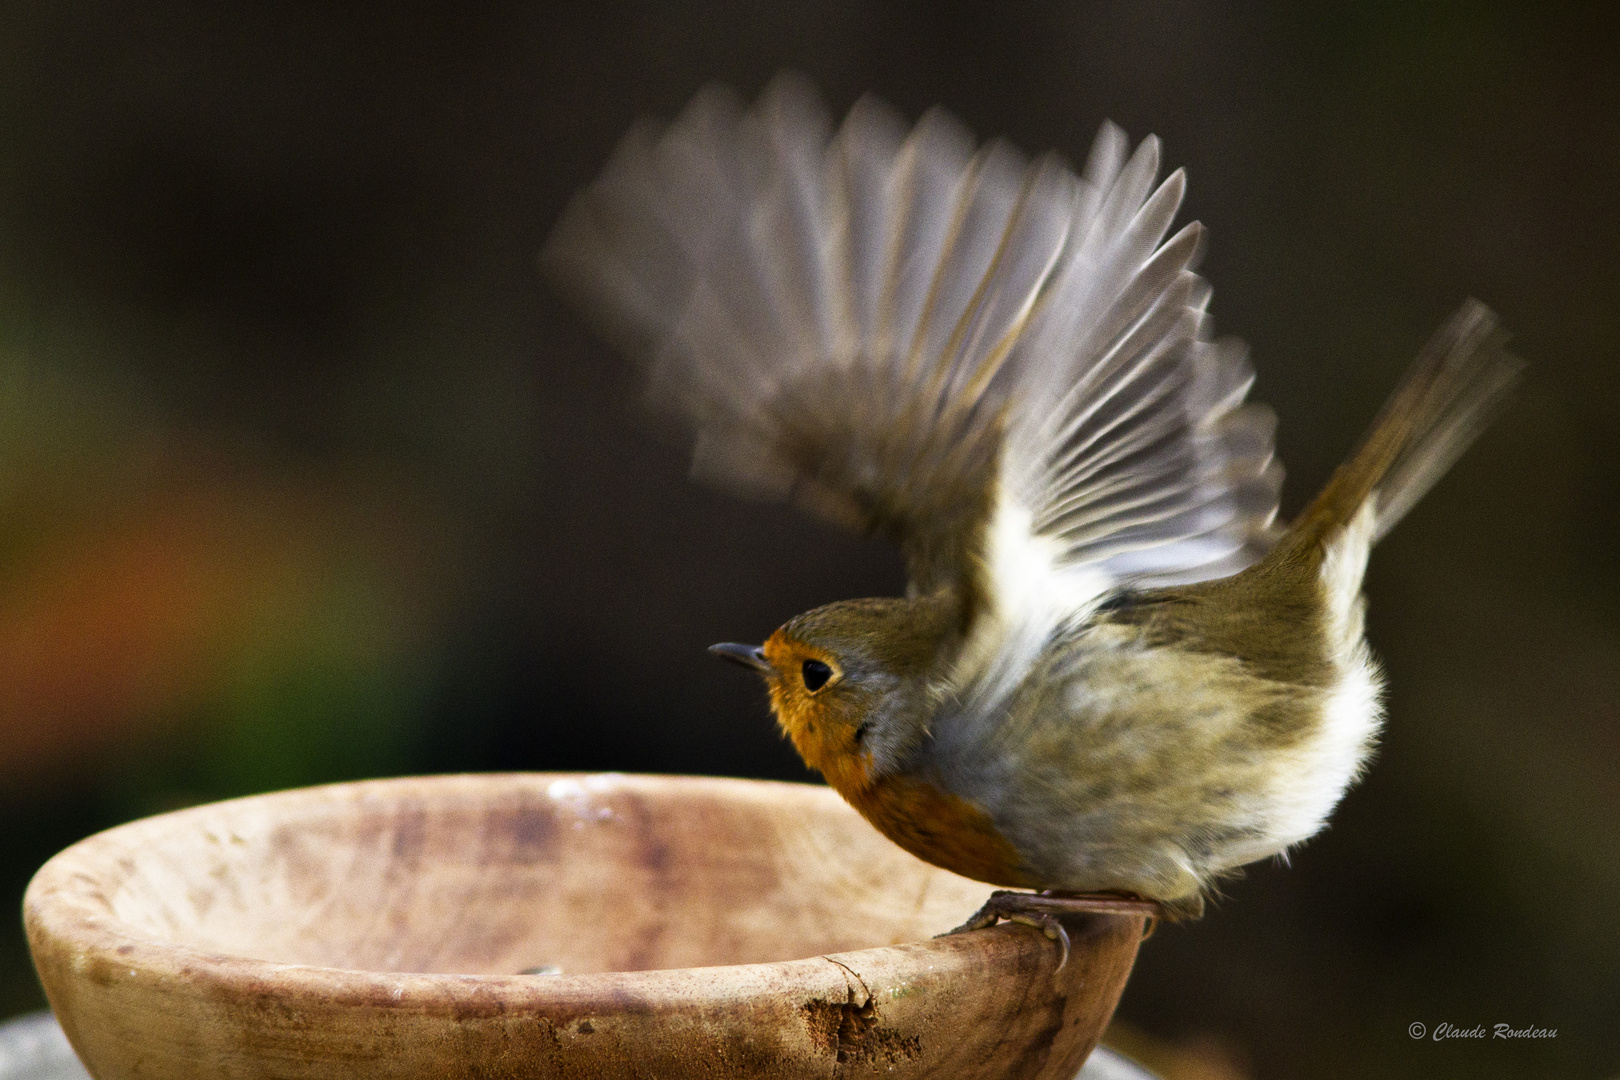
(749, 656)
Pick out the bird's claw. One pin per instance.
(1041, 911)
(1048, 925)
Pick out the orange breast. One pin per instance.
(940, 828)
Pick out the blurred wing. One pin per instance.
(996, 363)
(1131, 457)
(828, 311)
(1133, 452)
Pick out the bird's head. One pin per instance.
(854, 684)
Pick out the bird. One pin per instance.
(1114, 677)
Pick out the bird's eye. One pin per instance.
(815, 675)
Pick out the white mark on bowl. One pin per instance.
(566, 790)
(574, 795)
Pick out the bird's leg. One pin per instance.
(1041, 910)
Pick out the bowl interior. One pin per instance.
(502, 874)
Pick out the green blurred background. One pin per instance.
(304, 475)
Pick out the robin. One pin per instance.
(1113, 676)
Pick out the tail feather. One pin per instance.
(1459, 383)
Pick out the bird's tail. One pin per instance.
(1455, 388)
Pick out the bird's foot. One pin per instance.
(1041, 910)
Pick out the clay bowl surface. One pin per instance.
(704, 928)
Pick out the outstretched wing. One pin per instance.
(997, 363)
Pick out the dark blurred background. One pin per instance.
(305, 476)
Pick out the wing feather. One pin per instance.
(1005, 366)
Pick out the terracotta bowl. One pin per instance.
(701, 927)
